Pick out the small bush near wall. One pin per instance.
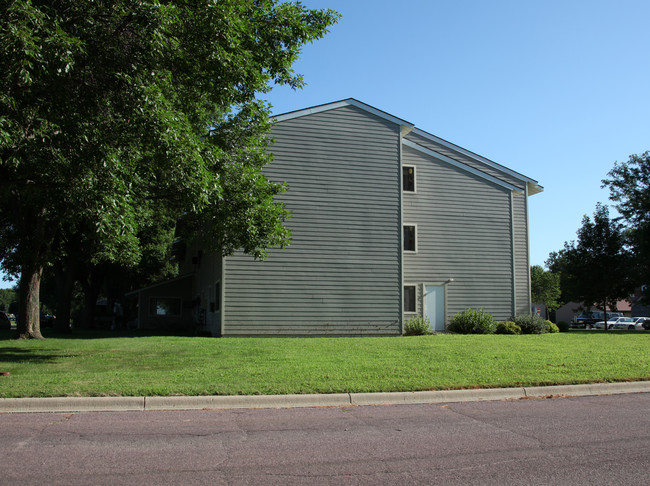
(551, 328)
(417, 326)
(530, 324)
(508, 327)
(563, 326)
(473, 322)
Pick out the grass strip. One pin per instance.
(98, 364)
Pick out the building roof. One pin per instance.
(407, 127)
(338, 104)
(159, 284)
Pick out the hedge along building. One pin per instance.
(389, 222)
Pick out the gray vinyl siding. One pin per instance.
(522, 266)
(203, 306)
(464, 233)
(520, 217)
(207, 311)
(340, 275)
(471, 162)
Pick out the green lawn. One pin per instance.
(100, 364)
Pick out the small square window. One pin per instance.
(408, 179)
(409, 298)
(409, 238)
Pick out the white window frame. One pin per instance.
(415, 230)
(415, 298)
(415, 178)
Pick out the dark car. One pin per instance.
(586, 320)
(5, 323)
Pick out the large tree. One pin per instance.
(104, 114)
(596, 268)
(629, 185)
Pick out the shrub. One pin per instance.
(530, 324)
(508, 327)
(563, 326)
(417, 326)
(473, 322)
(551, 328)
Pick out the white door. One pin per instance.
(434, 306)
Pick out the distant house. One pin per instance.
(571, 310)
(389, 222)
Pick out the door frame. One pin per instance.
(444, 284)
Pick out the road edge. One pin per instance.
(119, 404)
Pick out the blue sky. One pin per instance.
(556, 90)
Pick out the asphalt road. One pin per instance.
(576, 441)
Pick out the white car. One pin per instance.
(621, 323)
(640, 323)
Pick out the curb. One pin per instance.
(72, 404)
(119, 404)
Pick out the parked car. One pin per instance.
(586, 320)
(641, 323)
(5, 323)
(618, 323)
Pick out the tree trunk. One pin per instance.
(605, 313)
(29, 324)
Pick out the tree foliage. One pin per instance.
(7, 298)
(596, 268)
(104, 113)
(558, 264)
(545, 287)
(629, 185)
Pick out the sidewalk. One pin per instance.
(115, 404)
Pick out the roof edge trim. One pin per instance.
(462, 166)
(534, 188)
(159, 284)
(474, 156)
(338, 104)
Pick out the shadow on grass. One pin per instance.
(19, 355)
(609, 331)
(105, 334)
(98, 334)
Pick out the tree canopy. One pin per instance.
(629, 185)
(106, 111)
(545, 287)
(7, 298)
(596, 268)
